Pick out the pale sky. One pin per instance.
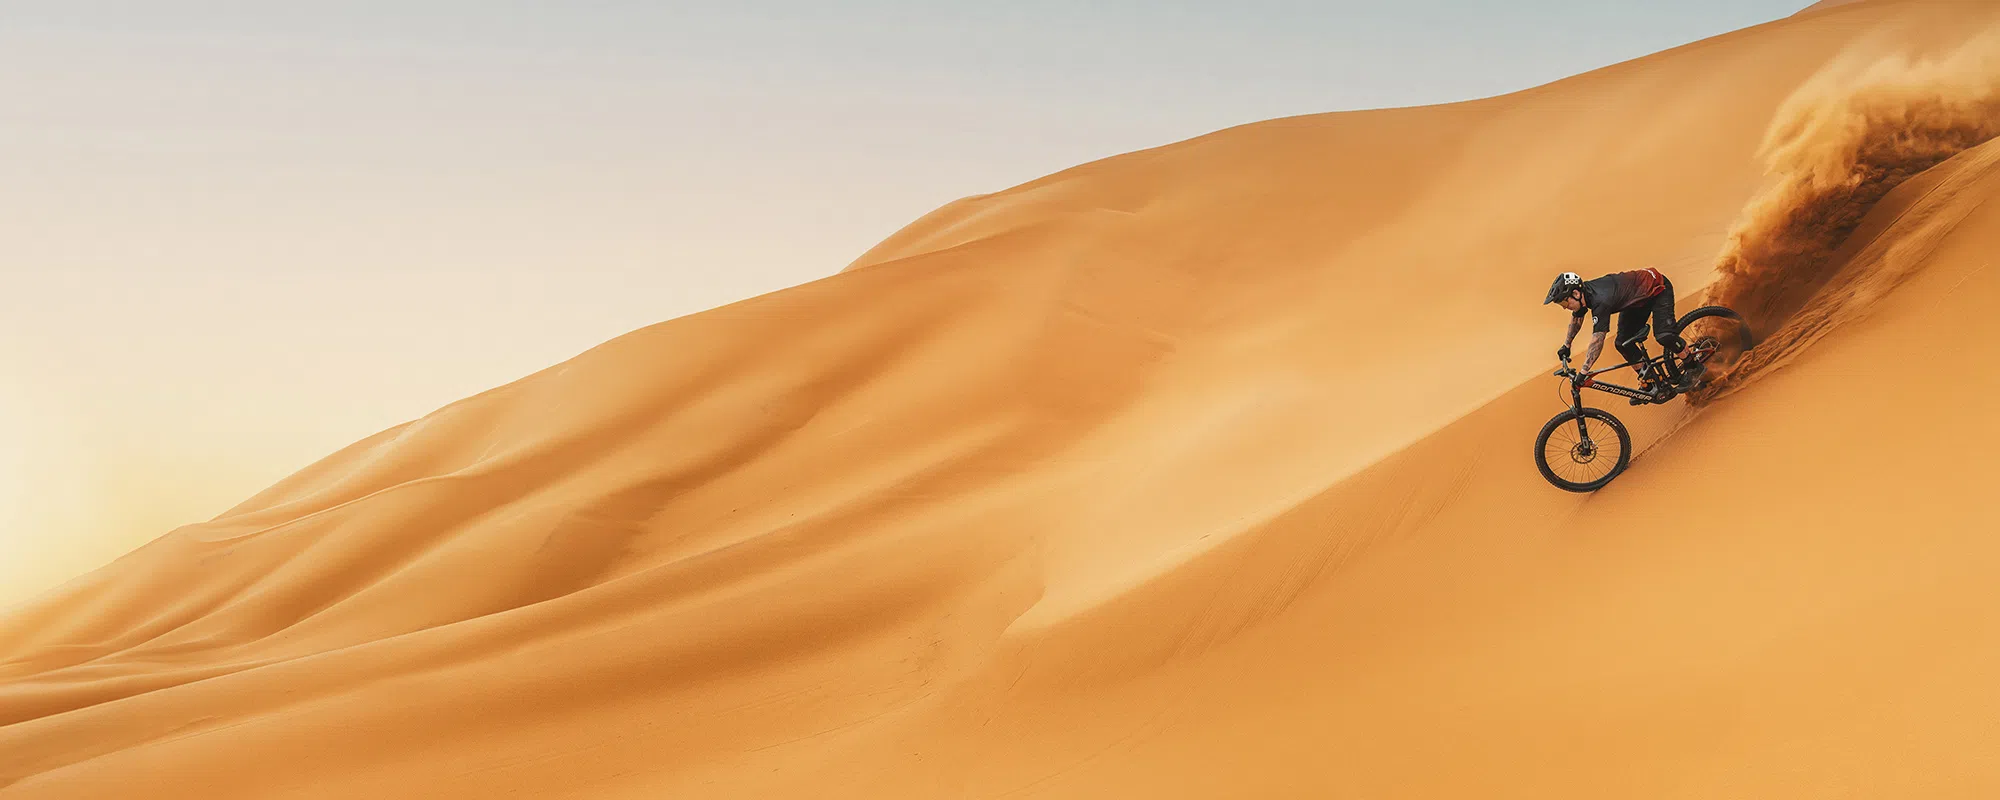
(236, 236)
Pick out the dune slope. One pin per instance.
(1197, 471)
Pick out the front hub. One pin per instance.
(1584, 452)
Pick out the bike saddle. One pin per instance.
(1637, 337)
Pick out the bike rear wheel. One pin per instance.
(1712, 333)
(1722, 324)
(1694, 362)
(1583, 460)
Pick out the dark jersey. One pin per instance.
(1616, 292)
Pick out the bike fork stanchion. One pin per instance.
(1576, 402)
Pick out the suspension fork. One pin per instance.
(1576, 403)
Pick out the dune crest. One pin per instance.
(1823, 5)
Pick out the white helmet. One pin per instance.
(1565, 283)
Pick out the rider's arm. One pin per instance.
(1575, 324)
(1596, 348)
(1600, 327)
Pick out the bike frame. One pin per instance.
(1611, 388)
(1663, 364)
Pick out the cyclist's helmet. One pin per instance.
(1565, 283)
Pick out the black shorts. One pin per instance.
(1659, 309)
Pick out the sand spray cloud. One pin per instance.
(1850, 134)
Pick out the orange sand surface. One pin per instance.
(1201, 471)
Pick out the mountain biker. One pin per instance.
(1633, 296)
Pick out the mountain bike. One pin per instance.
(1582, 449)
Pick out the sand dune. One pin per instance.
(1198, 471)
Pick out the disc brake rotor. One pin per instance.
(1583, 453)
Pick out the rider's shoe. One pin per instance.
(1691, 377)
(1648, 385)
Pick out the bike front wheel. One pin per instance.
(1581, 450)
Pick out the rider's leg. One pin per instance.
(1629, 322)
(1662, 308)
